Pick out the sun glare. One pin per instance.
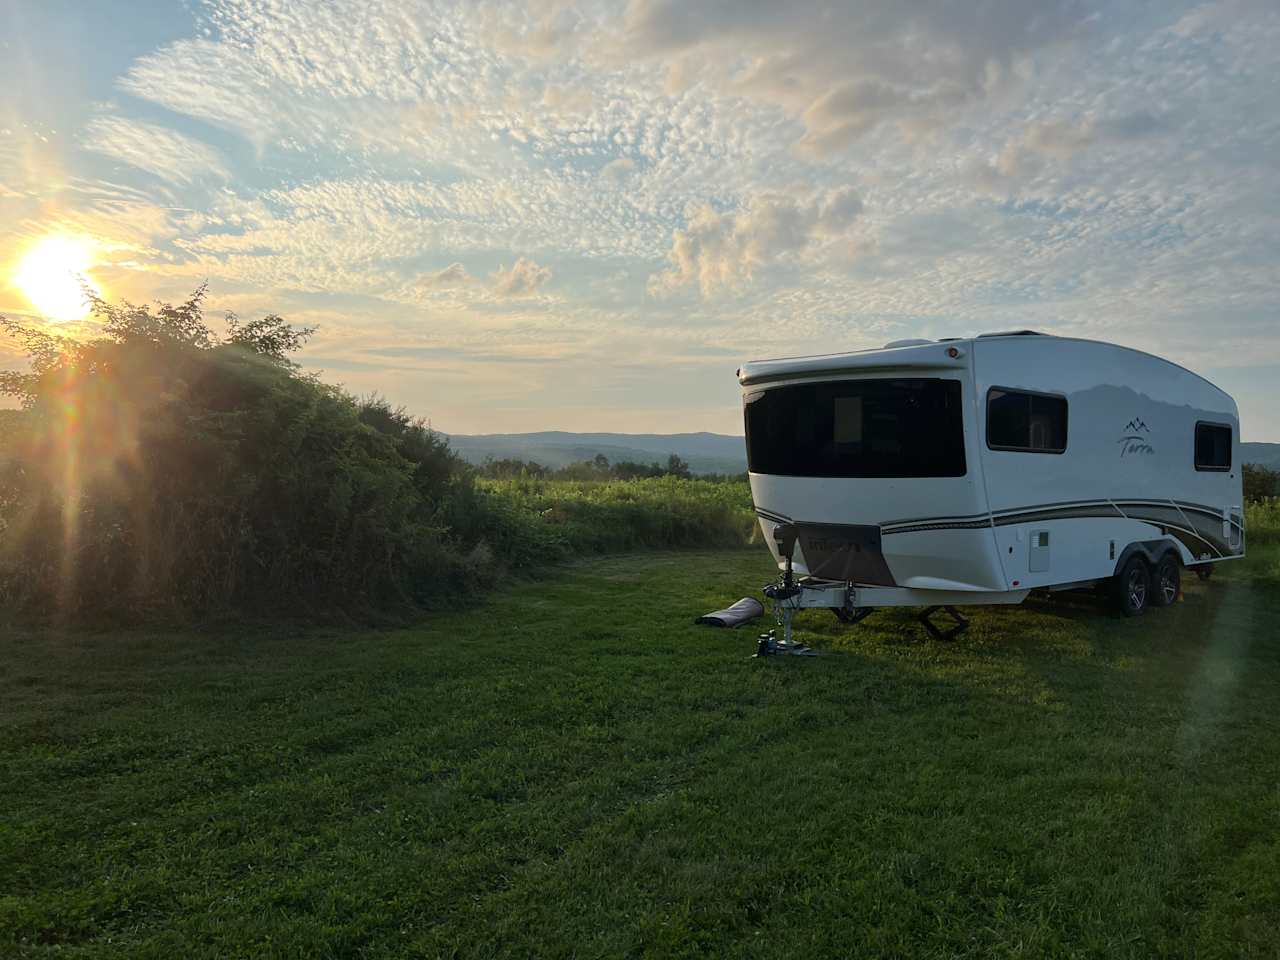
(50, 276)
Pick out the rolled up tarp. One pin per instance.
(744, 611)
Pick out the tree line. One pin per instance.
(599, 468)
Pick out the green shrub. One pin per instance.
(588, 517)
(160, 468)
(163, 470)
(1262, 522)
(1262, 543)
(1260, 482)
(434, 465)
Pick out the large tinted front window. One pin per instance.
(857, 428)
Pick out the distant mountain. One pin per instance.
(1263, 454)
(704, 452)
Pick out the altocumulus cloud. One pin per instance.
(158, 150)
(810, 176)
(523, 278)
(720, 250)
(846, 68)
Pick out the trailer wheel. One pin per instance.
(1167, 581)
(1133, 586)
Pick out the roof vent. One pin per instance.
(906, 343)
(1014, 333)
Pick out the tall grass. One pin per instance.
(1262, 543)
(1262, 521)
(565, 518)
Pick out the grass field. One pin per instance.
(573, 769)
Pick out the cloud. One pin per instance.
(1135, 125)
(219, 83)
(719, 250)
(847, 68)
(347, 75)
(616, 171)
(1058, 138)
(451, 277)
(1052, 140)
(159, 151)
(840, 70)
(1057, 141)
(852, 108)
(1028, 153)
(1089, 166)
(523, 278)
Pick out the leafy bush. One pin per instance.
(162, 469)
(1262, 542)
(585, 517)
(1260, 482)
(1262, 522)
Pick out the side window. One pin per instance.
(1026, 422)
(1213, 446)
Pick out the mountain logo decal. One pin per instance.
(1135, 439)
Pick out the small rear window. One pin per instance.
(1026, 422)
(1213, 446)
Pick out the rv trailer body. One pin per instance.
(992, 465)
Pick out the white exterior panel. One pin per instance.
(1020, 519)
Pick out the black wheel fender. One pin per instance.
(1150, 550)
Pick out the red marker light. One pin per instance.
(952, 352)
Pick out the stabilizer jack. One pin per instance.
(960, 623)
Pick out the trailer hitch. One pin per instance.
(784, 534)
(784, 597)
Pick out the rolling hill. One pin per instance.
(705, 452)
(1263, 454)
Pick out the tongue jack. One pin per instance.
(784, 535)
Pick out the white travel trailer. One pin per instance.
(937, 474)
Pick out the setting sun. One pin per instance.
(50, 276)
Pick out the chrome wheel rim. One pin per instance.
(1137, 589)
(1168, 583)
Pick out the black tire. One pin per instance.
(1133, 587)
(1166, 582)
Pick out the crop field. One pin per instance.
(570, 768)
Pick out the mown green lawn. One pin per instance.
(573, 769)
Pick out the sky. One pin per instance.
(585, 216)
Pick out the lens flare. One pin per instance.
(50, 276)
